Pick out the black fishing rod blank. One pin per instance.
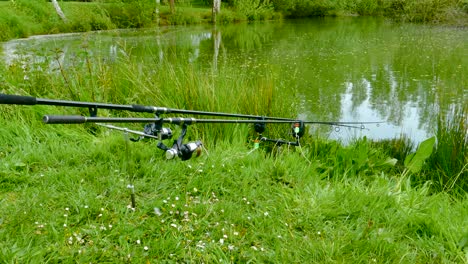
(93, 106)
(30, 100)
(77, 119)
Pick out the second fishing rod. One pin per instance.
(94, 106)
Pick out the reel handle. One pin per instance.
(17, 99)
(68, 119)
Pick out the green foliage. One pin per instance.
(414, 162)
(254, 9)
(365, 7)
(63, 188)
(228, 16)
(421, 10)
(132, 15)
(397, 148)
(448, 163)
(182, 18)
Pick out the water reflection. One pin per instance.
(351, 69)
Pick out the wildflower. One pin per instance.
(221, 241)
(177, 198)
(66, 208)
(99, 215)
(110, 226)
(265, 213)
(64, 225)
(174, 225)
(145, 248)
(86, 207)
(138, 241)
(65, 215)
(236, 233)
(157, 211)
(254, 248)
(231, 247)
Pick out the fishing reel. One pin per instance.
(155, 129)
(183, 151)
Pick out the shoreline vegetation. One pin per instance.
(64, 188)
(24, 18)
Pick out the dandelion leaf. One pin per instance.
(414, 161)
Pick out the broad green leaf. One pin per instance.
(415, 161)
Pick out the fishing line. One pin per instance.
(302, 152)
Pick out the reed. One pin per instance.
(448, 168)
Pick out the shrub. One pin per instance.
(182, 18)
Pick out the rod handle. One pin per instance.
(65, 119)
(17, 99)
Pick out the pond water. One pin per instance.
(344, 69)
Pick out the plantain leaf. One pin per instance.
(414, 161)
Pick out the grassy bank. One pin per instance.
(64, 187)
(23, 18)
(65, 200)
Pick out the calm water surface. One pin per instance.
(347, 69)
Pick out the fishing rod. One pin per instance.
(185, 151)
(154, 128)
(178, 149)
(93, 107)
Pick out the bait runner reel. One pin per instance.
(183, 151)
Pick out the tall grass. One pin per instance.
(448, 165)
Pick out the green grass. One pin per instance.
(65, 199)
(64, 195)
